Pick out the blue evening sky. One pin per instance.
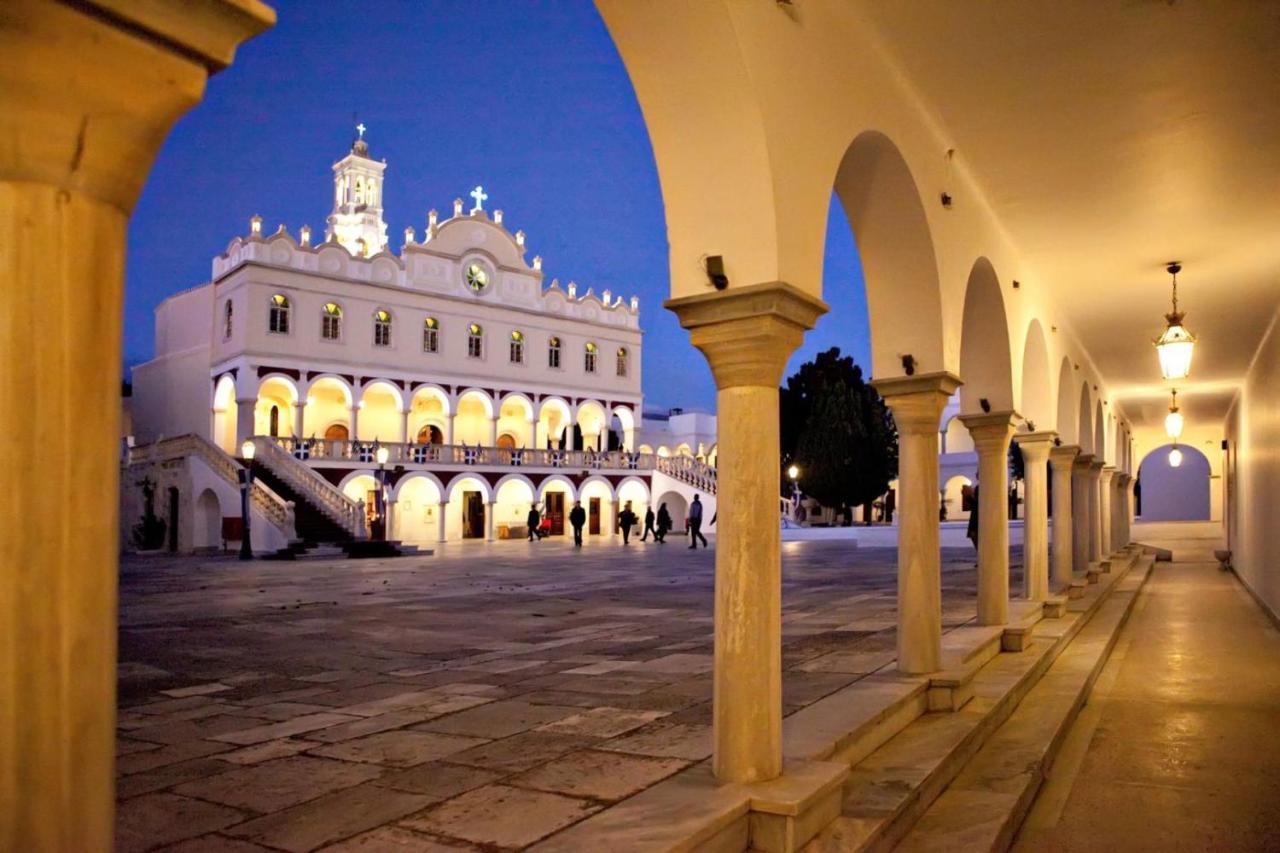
(531, 100)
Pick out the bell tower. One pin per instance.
(356, 221)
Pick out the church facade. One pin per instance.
(430, 395)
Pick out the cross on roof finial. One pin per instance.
(360, 128)
(481, 197)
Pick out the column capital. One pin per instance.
(1108, 471)
(917, 401)
(1036, 444)
(1123, 478)
(1095, 468)
(1063, 455)
(127, 71)
(748, 333)
(1083, 462)
(990, 430)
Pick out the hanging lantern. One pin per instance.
(1175, 457)
(1173, 421)
(1175, 345)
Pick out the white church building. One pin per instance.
(426, 396)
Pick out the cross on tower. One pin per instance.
(360, 128)
(481, 197)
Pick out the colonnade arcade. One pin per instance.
(333, 408)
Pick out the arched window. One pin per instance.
(381, 328)
(475, 341)
(431, 335)
(622, 361)
(430, 434)
(331, 322)
(517, 348)
(589, 358)
(278, 322)
(553, 352)
(274, 422)
(226, 319)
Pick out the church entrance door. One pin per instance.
(555, 512)
(593, 516)
(472, 515)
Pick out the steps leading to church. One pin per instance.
(313, 526)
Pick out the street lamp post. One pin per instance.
(246, 484)
(382, 454)
(794, 473)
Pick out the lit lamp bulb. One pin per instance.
(793, 472)
(1175, 457)
(1175, 345)
(247, 449)
(383, 455)
(1173, 421)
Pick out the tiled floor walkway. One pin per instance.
(1179, 747)
(488, 696)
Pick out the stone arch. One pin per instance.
(1175, 494)
(459, 479)
(554, 417)
(636, 491)
(985, 363)
(416, 475)
(512, 497)
(571, 492)
(429, 409)
(592, 422)
(1099, 432)
(515, 419)
(956, 437)
(275, 391)
(904, 298)
(473, 418)
(207, 531)
(952, 496)
(1084, 427)
(416, 512)
(1036, 398)
(1066, 417)
(329, 401)
(677, 506)
(381, 405)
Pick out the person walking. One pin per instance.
(649, 519)
(626, 520)
(695, 523)
(971, 530)
(577, 518)
(664, 524)
(534, 520)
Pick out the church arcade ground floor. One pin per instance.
(554, 699)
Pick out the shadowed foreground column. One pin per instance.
(917, 403)
(1062, 459)
(991, 434)
(84, 106)
(1035, 448)
(747, 334)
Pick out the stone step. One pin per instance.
(985, 804)
(894, 785)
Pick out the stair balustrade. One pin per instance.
(690, 470)
(315, 489)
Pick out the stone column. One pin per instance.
(440, 520)
(299, 411)
(747, 334)
(1095, 510)
(493, 432)
(614, 529)
(244, 420)
(490, 510)
(448, 428)
(1035, 447)
(404, 427)
(1063, 460)
(88, 97)
(1104, 509)
(917, 403)
(353, 422)
(991, 434)
(1080, 512)
(389, 529)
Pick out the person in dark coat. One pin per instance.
(577, 518)
(695, 523)
(627, 520)
(972, 530)
(534, 519)
(649, 519)
(664, 524)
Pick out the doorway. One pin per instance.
(593, 516)
(555, 512)
(472, 515)
(173, 519)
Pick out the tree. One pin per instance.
(838, 431)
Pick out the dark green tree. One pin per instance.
(838, 431)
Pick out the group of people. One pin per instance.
(659, 523)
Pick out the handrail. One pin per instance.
(328, 498)
(276, 509)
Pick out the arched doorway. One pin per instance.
(1174, 493)
(430, 434)
(207, 532)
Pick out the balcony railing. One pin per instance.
(464, 455)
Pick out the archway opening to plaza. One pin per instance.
(417, 510)
(553, 422)
(363, 486)
(380, 418)
(1174, 493)
(513, 498)
(592, 424)
(328, 409)
(555, 496)
(273, 411)
(224, 414)
(956, 438)
(953, 498)
(1100, 448)
(428, 416)
(1084, 426)
(622, 424)
(467, 513)
(515, 422)
(1036, 398)
(208, 522)
(677, 507)
(473, 424)
(1066, 416)
(633, 491)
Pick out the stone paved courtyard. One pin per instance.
(483, 698)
